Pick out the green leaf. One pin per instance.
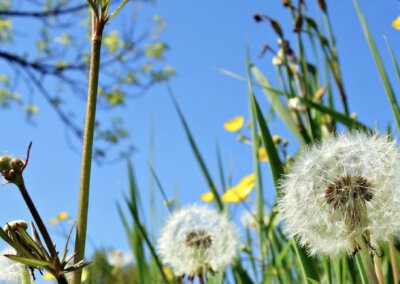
(30, 261)
(116, 11)
(340, 117)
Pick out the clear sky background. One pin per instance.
(203, 36)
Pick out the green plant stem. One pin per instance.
(19, 182)
(80, 240)
(393, 261)
(25, 275)
(368, 263)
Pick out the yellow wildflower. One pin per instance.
(396, 23)
(48, 276)
(262, 155)
(241, 191)
(207, 197)
(234, 124)
(63, 215)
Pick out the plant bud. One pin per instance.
(5, 163)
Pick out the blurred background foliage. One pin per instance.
(51, 60)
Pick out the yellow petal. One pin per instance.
(249, 179)
(234, 124)
(62, 216)
(48, 276)
(207, 197)
(237, 194)
(262, 155)
(396, 23)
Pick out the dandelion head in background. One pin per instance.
(197, 240)
(343, 191)
(10, 271)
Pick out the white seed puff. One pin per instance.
(196, 240)
(344, 189)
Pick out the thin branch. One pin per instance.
(56, 12)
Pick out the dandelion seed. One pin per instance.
(197, 240)
(343, 191)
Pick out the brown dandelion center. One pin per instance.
(199, 239)
(347, 190)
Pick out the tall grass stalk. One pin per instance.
(87, 150)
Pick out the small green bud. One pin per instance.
(17, 164)
(15, 224)
(5, 162)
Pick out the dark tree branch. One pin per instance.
(56, 12)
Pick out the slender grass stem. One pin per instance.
(393, 261)
(97, 31)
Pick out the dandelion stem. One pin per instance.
(201, 279)
(367, 262)
(393, 261)
(378, 268)
(97, 31)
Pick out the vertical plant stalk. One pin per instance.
(19, 182)
(393, 261)
(367, 262)
(87, 150)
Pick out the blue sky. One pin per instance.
(203, 36)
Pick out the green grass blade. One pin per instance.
(394, 60)
(197, 154)
(339, 117)
(381, 69)
(361, 269)
(273, 157)
(146, 239)
(280, 108)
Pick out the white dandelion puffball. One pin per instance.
(196, 240)
(10, 271)
(345, 189)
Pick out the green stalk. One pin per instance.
(97, 31)
(393, 261)
(25, 275)
(367, 262)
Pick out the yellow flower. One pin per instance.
(241, 191)
(207, 197)
(396, 23)
(262, 155)
(234, 124)
(48, 276)
(62, 216)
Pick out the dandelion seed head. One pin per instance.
(342, 188)
(196, 240)
(10, 271)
